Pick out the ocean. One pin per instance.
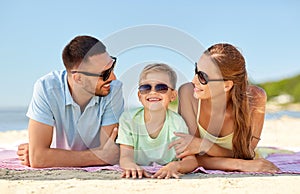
(15, 118)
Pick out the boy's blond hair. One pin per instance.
(160, 67)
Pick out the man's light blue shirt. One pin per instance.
(52, 104)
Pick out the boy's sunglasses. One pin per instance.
(159, 88)
(104, 75)
(203, 77)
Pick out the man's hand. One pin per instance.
(23, 153)
(110, 151)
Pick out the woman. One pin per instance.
(224, 114)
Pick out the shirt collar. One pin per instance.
(94, 100)
(69, 99)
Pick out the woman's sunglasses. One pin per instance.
(203, 77)
(159, 88)
(105, 74)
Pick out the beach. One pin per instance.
(281, 133)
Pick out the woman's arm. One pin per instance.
(187, 107)
(233, 164)
(257, 101)
(188, 145)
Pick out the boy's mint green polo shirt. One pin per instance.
(132, 132)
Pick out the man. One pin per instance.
(74, 113)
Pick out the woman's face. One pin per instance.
(211, 78)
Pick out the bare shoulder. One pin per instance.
(186, 90)
(187, 102)
(257, 91)
(186, 93)
(257, 96)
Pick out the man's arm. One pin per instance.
(41, 155)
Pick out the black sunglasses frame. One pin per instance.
(203, 77)
(159, 88)
(104, 75)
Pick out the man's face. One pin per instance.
(96, 74)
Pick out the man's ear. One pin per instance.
(228, 85)
(77, 78)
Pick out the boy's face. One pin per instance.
(159, 96)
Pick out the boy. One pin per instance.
(145, 133)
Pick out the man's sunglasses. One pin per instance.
(203, 77)
(159, 88)
(104, 75)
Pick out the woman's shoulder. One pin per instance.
(186, 90)
(186, 94)
(186, 87)
(257, 95)
(255, 90)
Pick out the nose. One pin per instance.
(152, 91)
(195, 79)
(112, 76)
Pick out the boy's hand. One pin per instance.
(168, 171)
(134, 171)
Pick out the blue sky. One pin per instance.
(33, 34)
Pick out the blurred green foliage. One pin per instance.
(174, 105)
(290, 86)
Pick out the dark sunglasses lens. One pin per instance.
(161, 88)
(144, 89)
(202, 77)
(107, 72)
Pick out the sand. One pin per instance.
(281, 133)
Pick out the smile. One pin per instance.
(153, 99)
(106, 85)
(197, 90)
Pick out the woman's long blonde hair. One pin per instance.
(232, 66)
